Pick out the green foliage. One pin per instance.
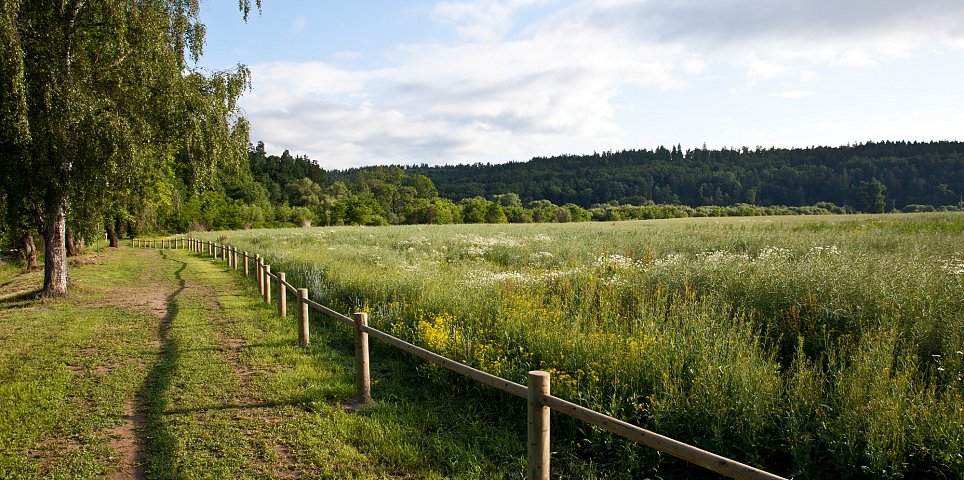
(103, 114)
(912, 173)
(395, 195)
(872, 196)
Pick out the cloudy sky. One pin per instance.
(410, 82)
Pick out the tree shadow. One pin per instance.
(20, 299)
(156, 452)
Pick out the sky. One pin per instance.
(352, 83)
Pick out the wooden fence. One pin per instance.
(537, 394)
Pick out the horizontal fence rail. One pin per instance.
(539, 399)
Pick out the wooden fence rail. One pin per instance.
(537, 393)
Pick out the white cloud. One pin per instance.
(480, 21)
(553, 86)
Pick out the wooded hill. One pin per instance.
(911, 173)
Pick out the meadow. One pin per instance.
(816, 347)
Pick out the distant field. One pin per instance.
(813, 346)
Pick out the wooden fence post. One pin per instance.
(303, 317)
(259, 272)
(267, 284)
(363, 388)
(234, 258)
(282, 295)
(538, 458)
(244, 258)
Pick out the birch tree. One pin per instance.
(96, 98)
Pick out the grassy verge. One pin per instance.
(163, 365)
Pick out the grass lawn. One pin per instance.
(161, 364)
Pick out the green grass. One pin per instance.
(209, 383)
(814, 347)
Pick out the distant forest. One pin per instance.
(265, 190)
(278, 190)
(911, 174)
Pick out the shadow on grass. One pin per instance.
(20, 299)
(240, 348)
(157, 443)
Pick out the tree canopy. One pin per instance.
(102, 100)
(929, 173)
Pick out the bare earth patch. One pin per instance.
(124, 439)
(285, 458)
(86, 260)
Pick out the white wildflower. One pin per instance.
(953, 266)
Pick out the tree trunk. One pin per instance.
(70, 245)
(30, 252)
(112, 235)
(55, 254)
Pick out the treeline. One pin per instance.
(286, 190)
(910, 173)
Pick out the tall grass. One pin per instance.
(828, 346)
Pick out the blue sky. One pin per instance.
(392, 82)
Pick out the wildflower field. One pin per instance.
(817, 347)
